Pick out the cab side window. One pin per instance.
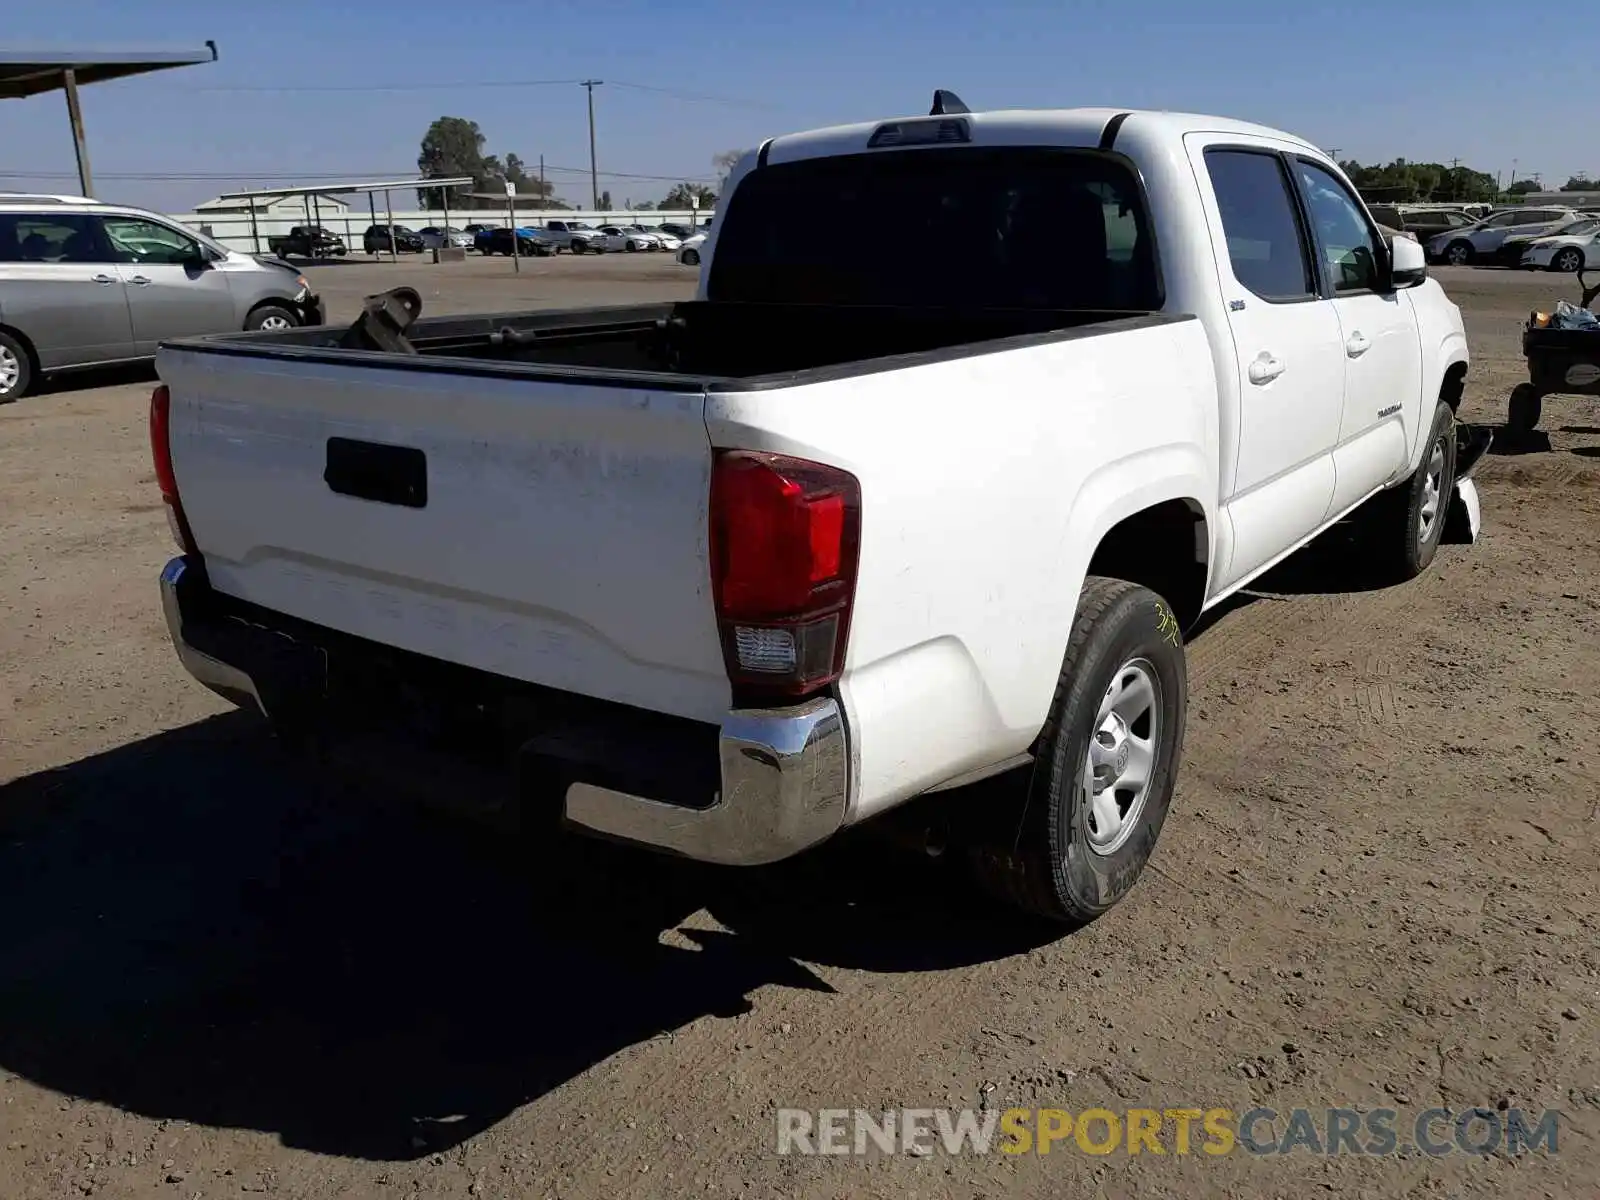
(1265, 246)
(1349, 243)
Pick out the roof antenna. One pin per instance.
(947, 104)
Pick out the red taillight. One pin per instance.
(784, 540)
(166, 480)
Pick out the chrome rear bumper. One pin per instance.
(784, 772)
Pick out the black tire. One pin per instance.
(1458, 253)
(1568, 260)
(631, 247)
(1524, 409)
(16, 369)
(268, 316)
(1402, 534)
(580, 247)
(1043, 859)
(691, 258)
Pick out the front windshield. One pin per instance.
(579, 225)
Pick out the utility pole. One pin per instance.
(594, 174)
(544, 201)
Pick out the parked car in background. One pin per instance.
(1515, 247)
(1479, 242)
(669, 241)
(1422, 223)
(580, 237)
(631, 238)
(689, 252)
(308, 241)
(478, 227)
(682, 232)
(438, 237)
(84, 284)
(1571, 249)
(377, 239)
(530, 242)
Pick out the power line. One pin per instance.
(479, 85)
(300, 176)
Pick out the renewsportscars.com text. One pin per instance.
(1179, 1131)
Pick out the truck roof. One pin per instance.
(1047, 126)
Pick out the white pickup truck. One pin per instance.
(859, 522)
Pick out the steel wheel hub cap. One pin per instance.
(1432, 483)
(10, 369)
(275, 323)
(1121, 757)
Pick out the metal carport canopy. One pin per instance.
(338, 189)
(32, 72)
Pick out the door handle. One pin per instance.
(1357, 344)
(139, 281)
(102, 280)
(1265, 369)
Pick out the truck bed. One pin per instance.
(526, 494)
(699, 345)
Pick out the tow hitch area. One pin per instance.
(1465, 518)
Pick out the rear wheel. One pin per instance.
(16, 369)
(691, 258)
(580, 247)
(1458, 253)
(1569, 260)
(1105, 766)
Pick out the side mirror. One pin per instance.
(1408, 265)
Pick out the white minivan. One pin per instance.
(86, 284)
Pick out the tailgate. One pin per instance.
(551, 532)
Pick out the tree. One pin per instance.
(452, 146)
(680, 197)
(643, 206)
(1400, 182)
(516, 173)
(1522, 187)
(724, 164)
(1581, 183)
(605, 201)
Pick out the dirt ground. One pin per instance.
(221, 976)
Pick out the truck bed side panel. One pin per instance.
(563, 539)
(987, 480)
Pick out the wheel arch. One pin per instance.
(28, 348)
(1453, 383)
(1146, 520)
(24, 341)
(1165, 547)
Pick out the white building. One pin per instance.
(281, 206)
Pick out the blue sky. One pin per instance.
(1424, 80)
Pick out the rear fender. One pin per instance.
(1130, 485)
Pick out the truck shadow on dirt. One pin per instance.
(199, 928)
